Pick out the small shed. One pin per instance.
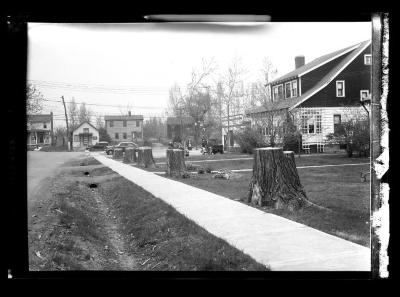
(85, 135)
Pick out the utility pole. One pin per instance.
(66, 120)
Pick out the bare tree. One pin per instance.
(99, 122)
(34, 100)
(73, 115)
(85, 113)
(231, 91)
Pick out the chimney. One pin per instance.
(129, 113)
(299, 61)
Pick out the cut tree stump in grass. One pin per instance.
(175, 162)
(275, 181)
(118, 153)
(145, 157)
(128, 156)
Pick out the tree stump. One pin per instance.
(275, 181)
(128, 156)
(145, 157)
(175, 162)
(118, 153)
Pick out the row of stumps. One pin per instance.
(275, 182)
(143, 156)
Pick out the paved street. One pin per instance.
(43, 165)
(272, 240)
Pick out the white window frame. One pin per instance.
(344, 93)
(365, 59)
(290, 88)
(363, 91)
(283, 91)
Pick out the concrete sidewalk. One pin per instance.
(271, 240)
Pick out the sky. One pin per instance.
(116, 67)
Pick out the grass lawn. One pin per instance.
(344, 198)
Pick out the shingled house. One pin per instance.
(124, 128)
(320, 94)
(40, 130)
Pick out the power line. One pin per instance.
(107, 105)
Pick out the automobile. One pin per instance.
(123, 145)
(212, 147)
(100, 146)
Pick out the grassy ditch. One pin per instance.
(165, 239)
(119, 226)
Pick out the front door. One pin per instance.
(40, 138)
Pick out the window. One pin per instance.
(76, 138)
(367, 59)
(111, 124)
(124, 123)
(85, 130)
(94, 137)
(340, 88)
(124, 135)
(44, 125)
(116, 136)
(311, 122)
(137, 123)
(337, 120)
(294, 88)
(364, 95)
(288, 90)
(318, 124)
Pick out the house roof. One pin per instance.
(314, 64)
(177, 120)
(84, 123)
(122, 117)
(323, 82)
(38, 118)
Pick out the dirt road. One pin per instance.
(42, 166)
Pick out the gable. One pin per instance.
(356, 75)
(86, 125)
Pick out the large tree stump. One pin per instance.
(175, 162)
(275, 181)
(128, 156)
(118, 153)
(145, 157)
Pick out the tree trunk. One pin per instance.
(175, 162)
(275, 181)
(145, 157)
(118, 153)
(128, 156)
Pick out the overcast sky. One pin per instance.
(98, 60)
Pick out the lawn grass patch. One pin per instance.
(343, 198)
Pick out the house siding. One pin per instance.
(120, 129)
(357, 76)
(79, 130)
(309, 80)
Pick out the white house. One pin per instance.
(86, 134)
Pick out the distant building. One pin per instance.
(40, 130)
(237, 123)
(84, 135)
(180, 127)
(124, 128)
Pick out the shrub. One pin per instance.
(200, 170)
(147, 142)
(208, 169)
(191, 167)
(250, 139)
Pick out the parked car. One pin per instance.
(123, 145)
(211, 146)
(100, 146)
